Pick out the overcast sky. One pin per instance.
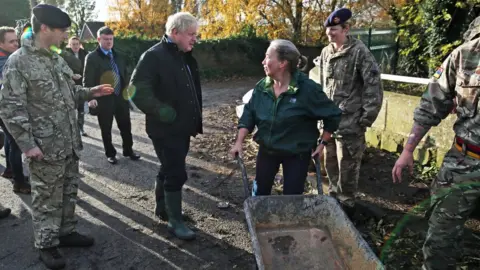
(102, 10)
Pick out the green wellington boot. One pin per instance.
(176, 226)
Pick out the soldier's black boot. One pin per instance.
(76, 240)
(52, 258)
(176, 225)
(160, 210)
(5, 212)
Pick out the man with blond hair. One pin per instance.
(167, 89)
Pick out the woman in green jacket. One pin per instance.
(285, 107)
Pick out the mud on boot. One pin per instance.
(52, 258)
(76, 240)
(176, 225)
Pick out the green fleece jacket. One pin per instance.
(288, 124)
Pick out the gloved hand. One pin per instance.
(167, 114)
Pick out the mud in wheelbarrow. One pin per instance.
(304, 232)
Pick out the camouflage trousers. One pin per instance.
(455, 192)
(54, 196)
(343, 157)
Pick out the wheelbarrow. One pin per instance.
(304, 232)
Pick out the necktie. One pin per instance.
(116, 74)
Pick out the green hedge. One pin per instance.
(216, 58)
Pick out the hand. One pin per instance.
(34, 153)
(454, 110)
(405, 160)
(93, 103)
(76, 76)
(101, 90)
(318, 151)
(236, 149)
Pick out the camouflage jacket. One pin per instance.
(38, 101)
(458, 77)
(351, 78)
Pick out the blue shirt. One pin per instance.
(105, 51)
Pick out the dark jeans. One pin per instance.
(121, 111)
(13, 156)
(81, 115)
(295, 169)
(172, 152)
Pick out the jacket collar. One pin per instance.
(292, 87)
(29, 45)
(100, 51)
(167, 42)
(350, 43)
(3, 53)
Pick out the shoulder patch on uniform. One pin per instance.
(438, 73)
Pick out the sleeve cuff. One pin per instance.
(27, 145)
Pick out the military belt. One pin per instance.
(468, 149)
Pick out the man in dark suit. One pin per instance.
(106, 66)
(168, 91)
(75, 57)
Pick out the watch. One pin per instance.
(322, 142)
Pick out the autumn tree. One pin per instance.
(271, 18)
(80, 11)
(142, 18)
(298, 20)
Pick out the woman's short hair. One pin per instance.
(181, 21)
(287, 51)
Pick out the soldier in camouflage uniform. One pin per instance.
(350, 77)
(38, 102)
(456, 189)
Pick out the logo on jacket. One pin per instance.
(293, 100)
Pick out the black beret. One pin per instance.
(338, 17)
(51, 16)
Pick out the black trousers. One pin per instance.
(295, 169)
(14, 156)
(115, 106)
(172, 152)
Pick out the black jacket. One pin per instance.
(166, 78)
(76, 64)
(99, 71)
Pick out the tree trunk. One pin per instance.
(297, 23)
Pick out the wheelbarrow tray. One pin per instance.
(305, 232)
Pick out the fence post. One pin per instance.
(369, 37)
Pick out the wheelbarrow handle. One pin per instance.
(244, 175)
(316, 160)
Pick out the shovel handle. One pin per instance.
(316, 160)
(246, 190)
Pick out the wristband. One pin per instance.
(322, 142)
